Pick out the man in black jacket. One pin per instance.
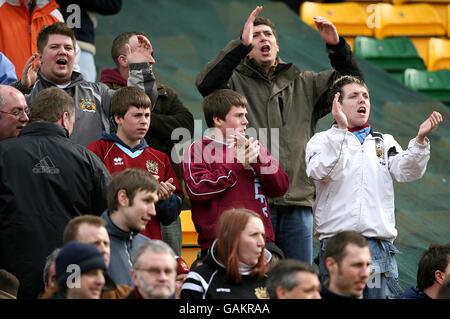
(433, 270)
(45, 180)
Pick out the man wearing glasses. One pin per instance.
(154, 271)
(13, 112)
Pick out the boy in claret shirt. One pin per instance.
(130, 108)
(225, 169)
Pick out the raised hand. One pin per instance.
(139, 51)
(429, 125)
(29, 73)
(338, 114)
(247, 31)
(166, 189)
(327, 30)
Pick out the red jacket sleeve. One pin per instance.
(205, 181)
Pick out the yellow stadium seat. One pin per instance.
(349, 18)
(427, 1)
(390, 1)
(350, 41)
(409, 19)
(448, 21)
(443, 12)
(421, 45)
(439, 54)
(190, 247)
(416, 1)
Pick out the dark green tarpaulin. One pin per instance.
(186, 34)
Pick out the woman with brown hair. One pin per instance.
(236, 264)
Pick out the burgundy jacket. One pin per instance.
(216, 185)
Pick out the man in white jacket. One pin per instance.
(353, 168)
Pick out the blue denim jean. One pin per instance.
(383, 280)
(293, 231)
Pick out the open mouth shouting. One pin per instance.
(61, 61)
(265, 49)
(362, 110)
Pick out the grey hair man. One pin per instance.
(14, 112)
(49, 274)
(154, 271)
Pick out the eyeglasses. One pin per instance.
(156, 271)
(18, 112)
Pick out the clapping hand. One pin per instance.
(338, 114)
(246, 149)
(166, 189)
(430, 124)
(29, 73)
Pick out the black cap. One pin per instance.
(85, 256)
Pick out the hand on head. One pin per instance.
(140, 51)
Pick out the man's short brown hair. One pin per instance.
(72, 227)
(264, 21)
(131, 180)
(219, 103)
(338, 86)
(336, 245)
(56, 28)
(50, 104)
(128, 96)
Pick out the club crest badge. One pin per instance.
(152, 167)
(261, 293)
(88, 105)
(379, 150)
